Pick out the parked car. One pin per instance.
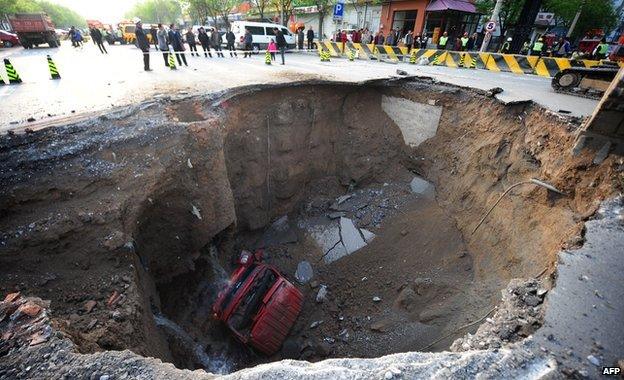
(8, 39)
(262, 32)
(259, 305)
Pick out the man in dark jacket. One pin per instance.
(248, 40)
(143, 44)
(231, 38)
(190, 40)
(96, 35)
(153, 33)
(300, 36)
(204, 40)
(281, 43)
(310, 36)
(175, 39)
(215, 38)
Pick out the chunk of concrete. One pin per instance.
(368, 236)
(351, 237)
(417, 121)
(422, 187)
(304, 272)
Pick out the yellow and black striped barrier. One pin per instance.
(511, 63)
(54, 73)
(12, 74)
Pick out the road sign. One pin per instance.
(338, 11)
(490, 26)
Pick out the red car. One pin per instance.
(259, 305)
(8, 39)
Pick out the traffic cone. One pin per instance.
(351, 55)
(14, 77)
(473, 63)
(461, 60)
(172, 64)
(327, 56)
(53, 70)
(412, 59)
(267, 58)
(436, 60)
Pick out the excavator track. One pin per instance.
(590, 83)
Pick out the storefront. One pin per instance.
(452, 16)
(404, 15)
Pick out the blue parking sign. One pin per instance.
(338, 11)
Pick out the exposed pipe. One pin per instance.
(532, 181)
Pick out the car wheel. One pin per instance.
(255, 48)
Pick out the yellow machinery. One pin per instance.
(127, 29)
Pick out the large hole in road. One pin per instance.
(377, 188)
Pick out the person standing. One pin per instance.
(230, 38)
(463, 42)
(538, 47)
(397, 37)
(248, 40)
(216, 40)
(204, 40)
(175, 39)
(190, 40)
(272, 48)
(96, 35)
(379, 38)
(601, 51)
(300, 38)
(390, 38)
(472, 42)
(343, 39)
(443, 41)
(281, 43)
(564, 48)
(154, 34)
(310, 36)
(409, 41)
(161, 37)
(143, 44)
(506, 46)
(424, 40)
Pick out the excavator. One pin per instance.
(588, 82)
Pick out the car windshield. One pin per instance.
(248, 307)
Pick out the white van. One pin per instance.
(262, 33)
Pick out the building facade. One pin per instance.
(432, 17)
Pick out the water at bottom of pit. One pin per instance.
(407, 281)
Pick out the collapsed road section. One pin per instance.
(398, 209)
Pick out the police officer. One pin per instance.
(601, 50)
(538, 47)
(463, 42)
(442, 42)
(505, 48)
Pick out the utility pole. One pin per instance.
(576, 17)
(488, 35)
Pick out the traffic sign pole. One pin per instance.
(488, 35)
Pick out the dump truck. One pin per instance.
(34, 29)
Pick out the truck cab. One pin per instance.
(259, 305)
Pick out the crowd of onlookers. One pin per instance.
(540, 47)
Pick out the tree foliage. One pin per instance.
(156, 11)
(260, 6)
(509, 13)
(213, 9)
(595, 14)
(61, 16)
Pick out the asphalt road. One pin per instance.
(93, 82)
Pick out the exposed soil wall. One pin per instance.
(122, 209)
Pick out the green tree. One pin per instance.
(198, 10)
(156, 11)
(508, 15)
(595, 14)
